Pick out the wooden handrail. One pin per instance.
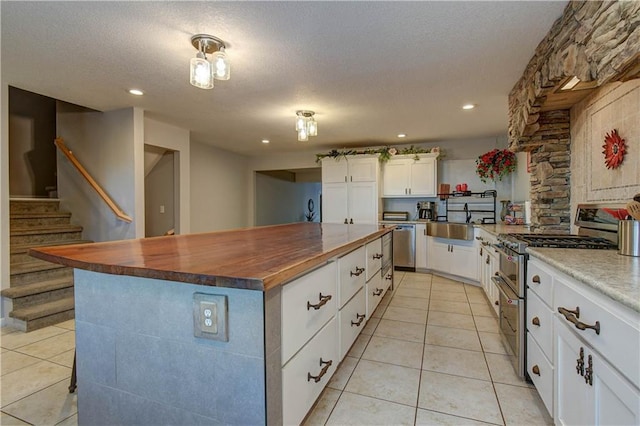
(113, 206)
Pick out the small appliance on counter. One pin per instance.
(395, 216)
(426, 210)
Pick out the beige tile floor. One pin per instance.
(430, 355)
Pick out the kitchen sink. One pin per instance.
(453, 230)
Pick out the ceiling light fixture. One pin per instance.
(306, 125)
(136, 92)
(468, 106)
(204, 72)
(402, 135)
(265, 140)
(571, 83)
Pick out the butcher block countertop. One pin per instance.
(258, 258)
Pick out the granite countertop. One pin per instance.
(606, 271)
(253, 258)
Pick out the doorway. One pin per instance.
(159, 191)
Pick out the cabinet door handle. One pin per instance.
(360, 318)
(357, 272)
(572, 317)
(479, 238)
(497, 303)
(324, 370)
(488, 261)
(345, 221)
(536, 279)
(480, 251)
(323, 301)
(580, 363)
(535, 321)
(351, 221)
(588, 372)
(377, 256)
(378, 291)
(535, 370)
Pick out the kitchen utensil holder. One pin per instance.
(629, 237)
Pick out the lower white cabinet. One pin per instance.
(421, 246)
(376, 288)
(540, 370)
(307, 373)
(352, 318)
(455, 257)
(589, 390)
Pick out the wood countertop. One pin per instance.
(253, 258)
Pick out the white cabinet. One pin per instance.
(404, 176)
(421, 246)
(350, 190)
(454, 257)
(487, 267)
(352, 275)
(352, 318)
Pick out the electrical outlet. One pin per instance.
(210, 316)
(161, 209)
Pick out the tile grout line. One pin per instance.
(424, 343)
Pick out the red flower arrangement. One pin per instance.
(495, 164)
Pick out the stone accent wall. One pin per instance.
(595, 41)
(550, 173)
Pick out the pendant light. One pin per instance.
(306, 125)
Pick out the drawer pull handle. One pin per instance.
(488, 261)
(580, 363)
(536, 279)
(535, 321)
(388, 277)
(481, 251)
(324, 370)
(536, 370)
(357, 272)
(378, 291)
(572, 317)
(323, 301)
(360, 319)
(377, 256)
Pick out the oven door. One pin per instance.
(511, 267)
(511, 322)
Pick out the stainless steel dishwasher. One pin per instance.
(404, 247)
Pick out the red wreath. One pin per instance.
(614, 149)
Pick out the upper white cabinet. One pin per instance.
(404, 176)
(350, 190)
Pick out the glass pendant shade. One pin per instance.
(303, 135)
(301, 122)
(312, 126)
(221, 66)
(201, 75)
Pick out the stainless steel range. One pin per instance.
(597, 231)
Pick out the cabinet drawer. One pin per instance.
(541, 372)
(300, 298)
(618, 337)
(374, 257)
(352, 274)
(376, 289)
(387, 250)
(299, 388)
(540, 281)
(352, 319)
(540, 323)
(387, 278)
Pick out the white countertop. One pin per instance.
(606, 271)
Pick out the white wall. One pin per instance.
(218, 189)
(5, 306)
(280, 201)
(111, 148)
(176, 139)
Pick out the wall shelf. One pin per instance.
(469, 209)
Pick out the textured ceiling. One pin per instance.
(369, 69)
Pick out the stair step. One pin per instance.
(34, 317)
(33, 265)
(40, 275)
(40, 292)
(36, 288)
(20, 252)
(21, 205)
(44, 234)
(27, 219)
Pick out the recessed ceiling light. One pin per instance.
(402, 135)
(265, 140)
(468, 106)
(136, 92)
(571, 83)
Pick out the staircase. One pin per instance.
(42, 292)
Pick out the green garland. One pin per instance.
(384, 153)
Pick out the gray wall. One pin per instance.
(159, 191)
(280, 201)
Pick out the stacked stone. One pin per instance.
(592, 40)
(551, 173)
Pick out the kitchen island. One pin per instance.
(146, 353)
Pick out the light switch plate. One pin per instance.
(210, 316)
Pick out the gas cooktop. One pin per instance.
(519, 242)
